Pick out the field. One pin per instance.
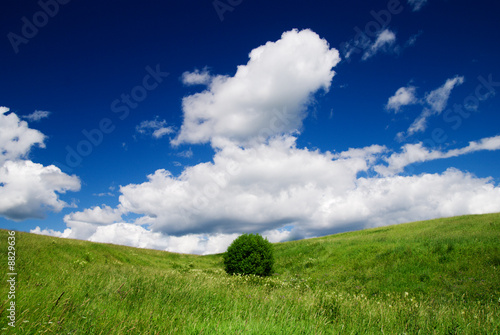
(432, 277)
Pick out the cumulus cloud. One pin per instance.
(155, 127)
(27, 189)
(389, 200)
(134, 235)
(51, 232)
(95, 215)
(262, 182)
(83, 224)
(36, 115)
(385, 39)
(404, 96)
(16, 138)
(267, 96)
(196, 77)
(243, 190)
(139, 237)
(285, 192)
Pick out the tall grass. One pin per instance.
(433, 277)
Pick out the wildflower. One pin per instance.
(406, 294)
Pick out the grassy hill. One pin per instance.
(433, 277)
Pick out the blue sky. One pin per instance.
(179, 125)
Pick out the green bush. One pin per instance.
(249, 254)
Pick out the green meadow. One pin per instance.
(433, 277)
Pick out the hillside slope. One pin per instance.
(439, 276)
(458, 255)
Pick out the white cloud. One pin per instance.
(84, 224)
(200, 244)
(385, 39)
(16, 138)
(412, 153)
(265, 97)
(196, 77)
(139, 237)
(416, 5)
(160, 132)
(156, 128)
(435, 102)
(278, 235)
(27, 189)
(186, 153)
(355, 46)
(272, 186)
(51, 232)
(420, 123)
(368, 202)
(259, 181)
(95, 215)
(36, 115)
(242, 191)
(134, 235)
(438, 98)
(128, 234)
(369, 44)
(389, 200)
(103, 194)
(404, 96)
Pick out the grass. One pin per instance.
(433, 277)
